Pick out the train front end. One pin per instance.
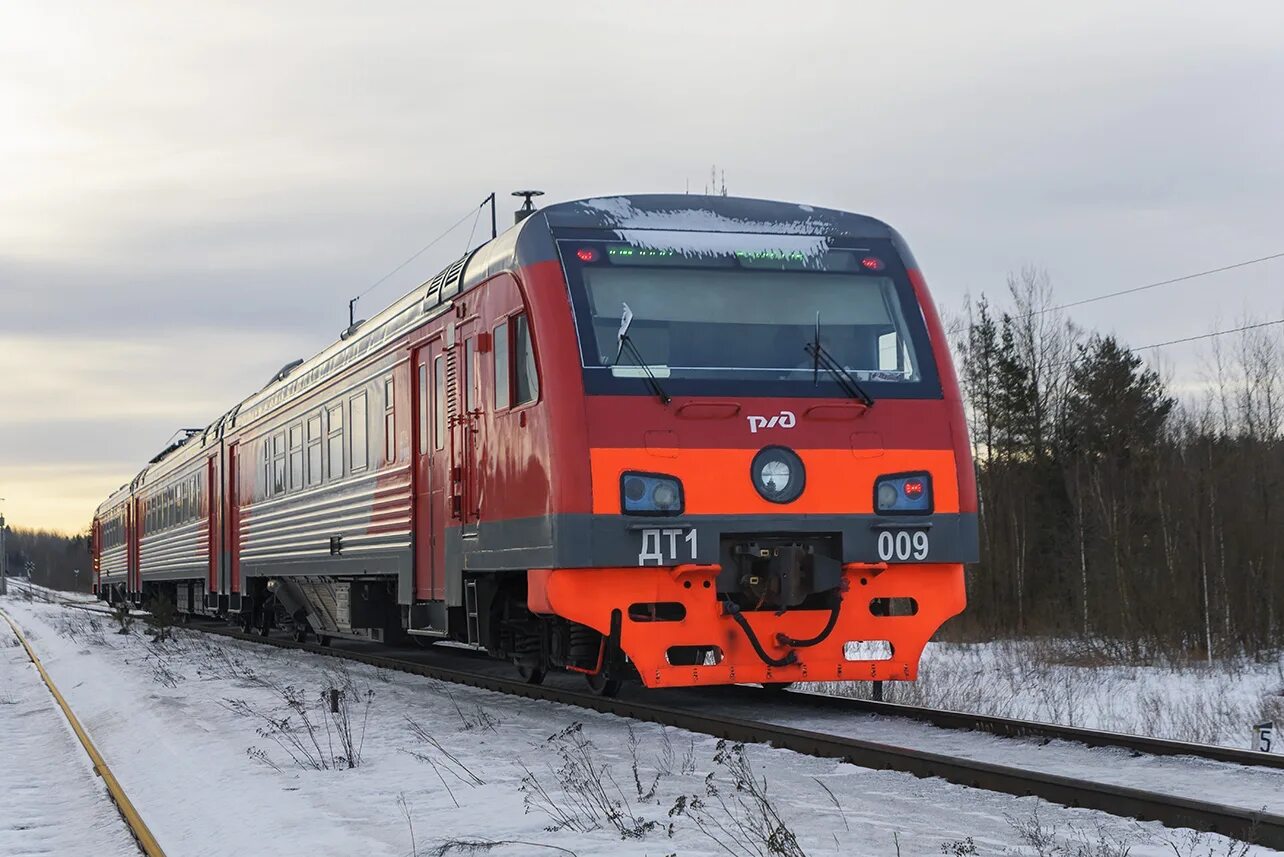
(781, 485)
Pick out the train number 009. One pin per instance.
(903, 545)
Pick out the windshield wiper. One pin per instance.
(821, 358)
(626, 318)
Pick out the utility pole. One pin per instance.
(4, 560)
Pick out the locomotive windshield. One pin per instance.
(712, 320)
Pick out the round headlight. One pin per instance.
(777, 474)
(634, 488)
(887, 496)
(665, 496)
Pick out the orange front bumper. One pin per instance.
(590, 596)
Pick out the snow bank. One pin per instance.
(1047, 681)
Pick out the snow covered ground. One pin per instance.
(1061, 682)
(51, 801)
(227, 748)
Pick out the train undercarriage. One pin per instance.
(775, 611)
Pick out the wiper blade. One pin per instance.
(822, 359)
(626, 319)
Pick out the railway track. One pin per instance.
(1257, 826)
(143, 837)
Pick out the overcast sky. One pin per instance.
(190, 192)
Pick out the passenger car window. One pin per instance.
(359, 449)
(389, 423)
(525, 380)
(314, 475)
(439, 402)
(296, 457)
(335, 457)
(502, 394)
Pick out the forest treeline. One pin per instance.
(54, 558)
(1110, 506)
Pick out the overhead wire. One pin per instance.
(1184, 339)
(422, 250)
(1148, 286)
(1215, 333)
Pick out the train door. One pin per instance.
(465, 421)
(431, 472)
(234, 520)
(212, 494)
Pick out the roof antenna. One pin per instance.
(353, 322)
(494, 229)
(528, 207)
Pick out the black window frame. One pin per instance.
(598, 380)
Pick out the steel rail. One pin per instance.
(1009, 727)
(137, 827)
(1256, 827)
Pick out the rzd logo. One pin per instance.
(784, 420)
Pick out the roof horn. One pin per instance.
(528, 207)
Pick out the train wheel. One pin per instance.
(300, 633)
(603, 685)
(530, 675)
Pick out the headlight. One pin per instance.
(650, 494)
(778, 474)
(903, 494)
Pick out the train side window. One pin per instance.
(470, 374)
(525, 379)
(278, 463)
(389, 422)
(267, 469)
(360, 449)
(502, 395)
(296, 456)
(439, 401)
(423, 408)
(335, 452)
(314, 450)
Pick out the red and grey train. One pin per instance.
(685, 439)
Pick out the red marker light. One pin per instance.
(913, 488)
(586, 254)
(871, 263)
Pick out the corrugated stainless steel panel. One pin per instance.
(297, 527)
(180, 549)
(113, 564)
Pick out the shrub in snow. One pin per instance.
(160, 618)
(120, 613)
(742, 820)
(318, 732)
(585, 794)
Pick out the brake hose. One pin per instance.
(836, 604)
(789, 658)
